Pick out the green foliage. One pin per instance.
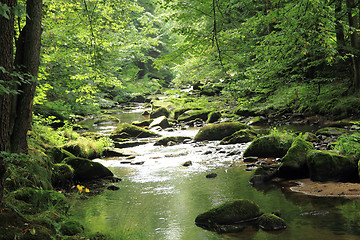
(349, 144)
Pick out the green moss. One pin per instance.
(164, 141)
(178, 112)
(85, 170)
(132, 131)
(219, 131)
(275, 145)
(328, 166)
(271, 222)
(30, 200)
(242, 136)
(213, 117)
(310, 137)
(71, 228)
(194, 114)
(161, 111)
(62, 175)
(294, 163)
(228, 213)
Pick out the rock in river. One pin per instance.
(235, 213)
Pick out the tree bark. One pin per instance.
(6, 61)
(354, 40)
(339, 27)
(28, 61)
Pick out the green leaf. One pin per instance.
(5, 10)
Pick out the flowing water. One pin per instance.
(160, 199)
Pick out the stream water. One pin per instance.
(160, 199)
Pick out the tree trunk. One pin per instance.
(339, 27)
(6, 61)
(354, 39)
(28, 61)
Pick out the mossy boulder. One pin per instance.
(262, 175)
(228, 213)
(176, 139)
(86, 170)
(213, 117)
(219, 131)
(294, 164)
(160, 122)
(144, 123)
(71, 228)
(129, 130)
(179, 111)
(328, 166)
(161, 111)
(310, 137)
(194, 114)
(31, 201)
(62, 175)
(271, 222)
(270, 146)
(241, 136)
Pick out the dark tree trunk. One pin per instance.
(339, 27)
(354, 39)
(6, 61)
(27, 60)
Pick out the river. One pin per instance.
(160, 199)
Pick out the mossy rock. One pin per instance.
(131, 131)
(328, 166)
(271, 222)
(269, 146)
(92, 135)
(262, 175)
(219, 131)
(294, 164)
(160, 122)
(57, 154)
(178, 112)
(31, 201)
(331, 131)
(86, 170)
(242, 136)
(71, 228)
(138, 98)
(213, 117)
(144, 123)
(231, 212)
(176, 139)
(161, 111)
(310, 137)
(194, 114)
(106, 119)
(62, 175)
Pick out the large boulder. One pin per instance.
(126, 130)
(219, 131)
(262, 175)
(328, 166)
(161, 111)
(229, 213)
(194, 114)
(86, 170)
(294, 163)
(241, 136)
(270, 146)
(161, 122)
